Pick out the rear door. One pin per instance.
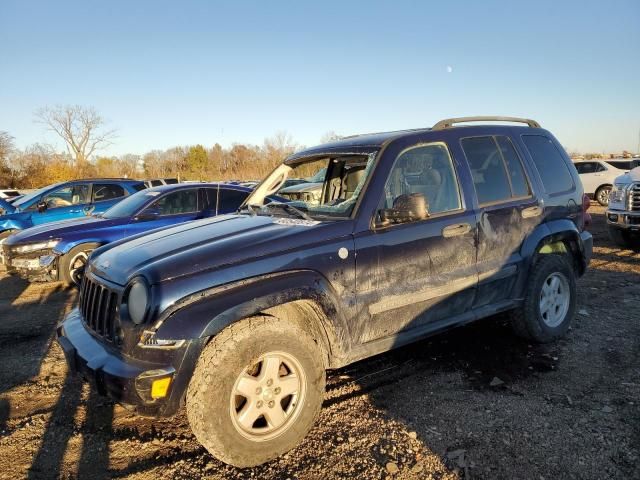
(507, 213)
(104, 196)
(420, 273)
(169, 209)
(591, 175)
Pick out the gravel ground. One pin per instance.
(473, 403)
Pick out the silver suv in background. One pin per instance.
(623, 214)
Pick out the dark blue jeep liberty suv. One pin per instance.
(238, 317)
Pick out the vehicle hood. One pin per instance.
(302, 187)
(629, 177)
(61, 229)
(208, 244)
(6, 206)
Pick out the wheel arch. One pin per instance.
(304, 298)
(555, 237)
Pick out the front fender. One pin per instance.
(65, 247)
(206, 313)
(13, 224)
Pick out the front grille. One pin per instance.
(634, 197)
(98, 306)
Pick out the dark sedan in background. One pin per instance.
(59, 250)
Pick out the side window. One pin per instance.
(425, 170)
(549, 162)
(107, 191)
(519, 183)
(212, 198)
(184, 201)
(231, 199)
(487, 169)
(584, 167)
(68, 196)
(600, 168)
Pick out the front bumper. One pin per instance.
(37, 266)
(624, 220)
(124, 379)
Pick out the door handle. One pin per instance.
(531, 212)
(455, 230)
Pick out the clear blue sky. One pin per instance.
(175, 73)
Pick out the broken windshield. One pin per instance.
(326, 187)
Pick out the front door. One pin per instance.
(419, 273)
(170, 209)
(63, 204)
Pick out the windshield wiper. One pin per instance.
(290, 208)
(249, 209)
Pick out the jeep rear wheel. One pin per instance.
(256, 391)
(550, 300)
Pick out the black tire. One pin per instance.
(602, 195)
(622, 238)
(65, 263)
(221, 364)
(527, 321)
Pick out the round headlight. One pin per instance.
(138, 301)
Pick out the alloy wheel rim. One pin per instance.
(76, 265)
(554, 299)
(267, 396)
(603, 196)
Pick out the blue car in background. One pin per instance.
(58, 251)
(62, 201)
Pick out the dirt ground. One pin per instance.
(473, 403)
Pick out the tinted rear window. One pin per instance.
(487, 169)
(549, 162)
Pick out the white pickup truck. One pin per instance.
(623, 214)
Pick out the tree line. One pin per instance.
(84, 133)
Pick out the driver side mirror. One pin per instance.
(42, 206)
(149, 214)
(406, 208)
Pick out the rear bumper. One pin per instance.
(122, 378)
(624, 220)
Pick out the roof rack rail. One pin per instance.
(448, 122)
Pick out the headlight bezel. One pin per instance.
(36, 246)
(134, 316)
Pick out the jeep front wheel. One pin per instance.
(256, 391)
(550, 300)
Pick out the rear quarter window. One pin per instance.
(550, 163)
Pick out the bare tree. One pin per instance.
(330, 136)
(6, 145)
(82, 129)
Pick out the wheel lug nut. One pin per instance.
(269, 382)
(258, 391)
(271, 404)
(276, 390)
(259, 404)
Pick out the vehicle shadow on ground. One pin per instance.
(28, 316)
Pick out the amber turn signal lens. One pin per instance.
(160, 387)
